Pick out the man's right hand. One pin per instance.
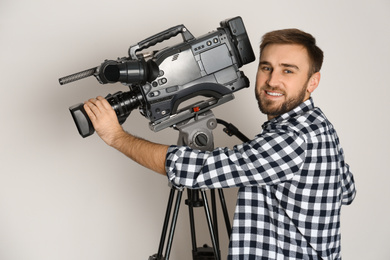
(106, 124)
(104, 119)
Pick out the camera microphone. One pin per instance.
(77, 76)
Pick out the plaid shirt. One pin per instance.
(293, 180)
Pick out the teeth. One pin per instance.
(274, 94)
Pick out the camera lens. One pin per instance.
(123, 103)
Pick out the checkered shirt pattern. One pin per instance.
(292, 181)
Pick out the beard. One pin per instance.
(272, 108)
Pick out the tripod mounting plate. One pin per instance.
(190, 111)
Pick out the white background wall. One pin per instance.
(64, 197)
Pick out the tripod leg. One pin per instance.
(166, 222)
(211, 229)
(215, 216)
(192, 219)
(225, 212)
(173, 224)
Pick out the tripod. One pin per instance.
(197, 133)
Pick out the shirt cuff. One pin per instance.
(172, 156)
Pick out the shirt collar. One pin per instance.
(305, 106)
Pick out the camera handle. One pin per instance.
(160, 37)
(197, 133)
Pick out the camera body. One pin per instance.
(204, 66)
(207, 66)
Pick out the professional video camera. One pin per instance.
(160, 81)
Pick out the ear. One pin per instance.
(314, 81)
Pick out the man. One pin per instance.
(292, 176)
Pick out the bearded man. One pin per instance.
(292, 177)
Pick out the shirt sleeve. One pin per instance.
(269, 159)
(347, 184)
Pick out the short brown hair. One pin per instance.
(295, 36)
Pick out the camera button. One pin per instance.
(154, 94)
(162, 81)
(172, 89)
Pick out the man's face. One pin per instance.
(282, 81)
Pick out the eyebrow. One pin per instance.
(286, 65)
(290, 66)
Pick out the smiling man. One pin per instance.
(286, 78)
(292, 177)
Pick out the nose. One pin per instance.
(273, 79)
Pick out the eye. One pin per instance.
(288, 71)
(266, 68)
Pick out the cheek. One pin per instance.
(258, 84)
(260, 79)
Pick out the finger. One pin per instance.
(93, 106)
(91, 102)
(104, 102)
(100, 103)
(89, 112)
